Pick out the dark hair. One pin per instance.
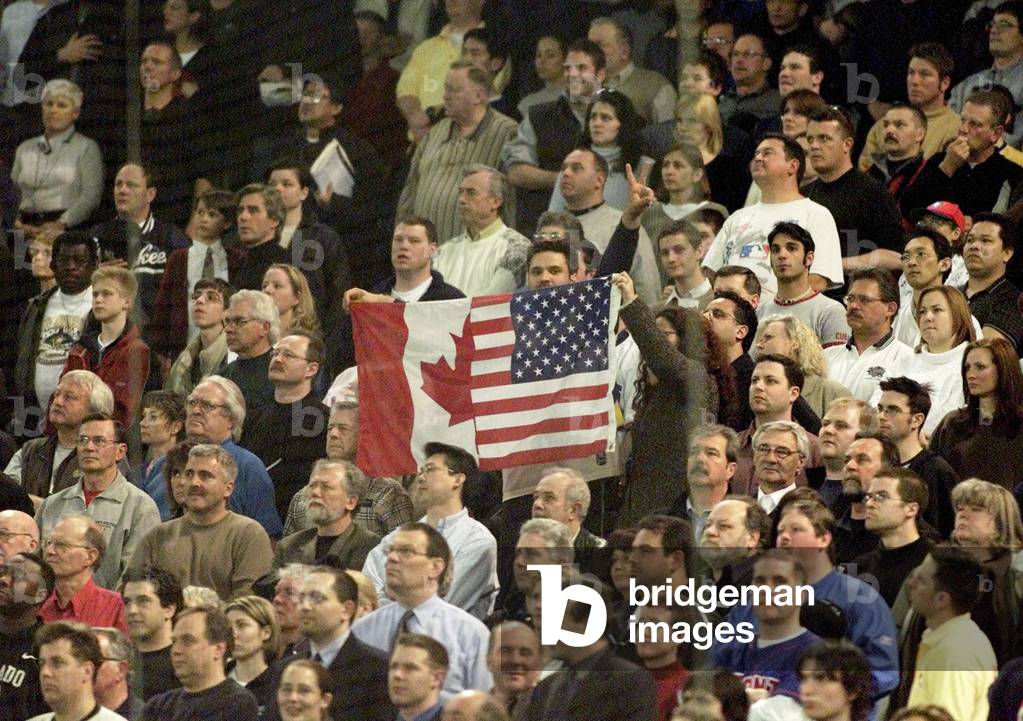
(165, 584)
(71, 238)
(120, 433)
(1009, 411)
(751, 283)
(889, 451)
(218, 284)
(223, 201)
(495, 42)
(585, 45)
(176, 460)
(710, 216)
(782, 554)
(957, 572)
(322, 677)
(916, 112)
(550, 246)
(804, 102)
(835, 114)
(435, 651)
(556, 37)
(373, 17)
(316, 350)
(794, 231)
(681, 227)
(457, 459)
(170, 404)
(942, 248)
(621, 539)
(794, 375)
(426, 223)
(84, 644)
(1011, 7)
(436, 547)
(714, 64)
(744, 312)
(218, 628)
(345, 587)
(676, 534)
(812, 53)
(1006, 228)
(1010, 102)
(723, 685)
(887, 286)
(175, 58)
(292, 163)
(912, 488)
(148, 173)
(843, 662)
(917, 395)
(792, 149)
(937, 55)
(45, 570)
(598, 160)
(630, 129)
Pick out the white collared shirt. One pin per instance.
(770, 501)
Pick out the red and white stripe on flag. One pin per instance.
(462, 372)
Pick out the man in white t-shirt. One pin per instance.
(55, 319)
(777, 169)
(873, 351)
(413, 246)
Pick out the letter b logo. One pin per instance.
(555, 598)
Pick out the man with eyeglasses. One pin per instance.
(334, 491)
(124, 511)
(1005, 43)
(903, 407)
(357, 672)
(895, 499)
(289, 433)
(873, 350)
(863, 459)
(111, 684)
(438, 491)
(210, 545)
(251, 327)
(75, 549)
(419, 570)
(753, 98)
(215, 413)
(781, 450)
(26, 581)
(18, 534)
(926, 263)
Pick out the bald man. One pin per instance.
(514, 660)
(473, 706)
(18, 534)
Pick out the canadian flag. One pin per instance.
(514, 379)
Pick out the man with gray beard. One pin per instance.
(334, 491)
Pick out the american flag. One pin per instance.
(541, 373)
(515, 379)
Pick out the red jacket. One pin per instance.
(123, 365)
(168, 328)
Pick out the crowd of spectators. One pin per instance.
(809, 210)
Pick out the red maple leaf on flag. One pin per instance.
(450, 387)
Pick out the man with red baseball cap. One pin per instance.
(946, 218)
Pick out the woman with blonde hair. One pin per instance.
(698, 121)
(368, 601)
(946, 328)
(791, 337)
(290, 291)
(257, 638)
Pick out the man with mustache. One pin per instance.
(871, 303)
(335, 489)
(289, 433)
(901, 157)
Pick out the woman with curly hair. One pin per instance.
(788, 336)
(290, 290)
(678, 390)
(613, 132)
(983, 439)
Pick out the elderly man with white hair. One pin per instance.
(215, 413)
(780, 450)
(59, 174)
(564, 496)
(49, 463)
(252, 325)
(542, 541)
